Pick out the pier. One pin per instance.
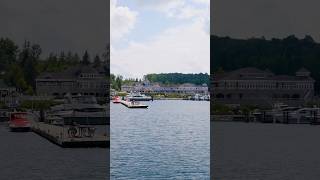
(70, 136)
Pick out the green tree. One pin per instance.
(86, 58)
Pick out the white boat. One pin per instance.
(304, 115)
(138, 97)
(80, 110)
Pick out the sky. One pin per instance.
(268, 18)
(75, 25)
(159, 36)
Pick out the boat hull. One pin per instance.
(20, 129)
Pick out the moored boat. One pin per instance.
(116, 100)
(138, 97)
(133, 104)
(19, 122)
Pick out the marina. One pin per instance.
(78, 122)
(281, 113)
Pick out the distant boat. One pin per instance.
(138, 97)
(116, 100)
(133, 104)
(19, 121)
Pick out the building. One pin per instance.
(187, 88)
(8, 95)
(252, 86)
(80, 79)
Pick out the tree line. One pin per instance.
(179, 78)
(19, 66)
(281, 56)
(164, 78)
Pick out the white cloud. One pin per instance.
(122, 20)
(184, 49)
(202, 1)
(181, 9)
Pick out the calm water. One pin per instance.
(170, 140)
(29, 156)
(252, 151)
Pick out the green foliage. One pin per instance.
(281, 56)
(121, 94)
(179, 78)
(221, 109)
(8, 53)
(116, 82)
(86, 58)
(20, 67)
(38, 105)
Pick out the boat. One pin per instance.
(281, 113)
(80, 110)
(79, 117)
(305, 116)
(116, 100)
(137, 96)
(133, 104)
(4, 115)
(18, 121)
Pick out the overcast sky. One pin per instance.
(74, 25)
(269, 18)
(154, 36)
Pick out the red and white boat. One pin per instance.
(116, 99)
(18, 121)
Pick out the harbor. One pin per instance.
(78, 122)
(281, 113)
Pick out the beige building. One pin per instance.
(80, 79)
(252, 86)
(8, 95)
(187, 88)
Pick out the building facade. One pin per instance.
(8, 95)
(80, 79)
(252, 86)
(189, 89)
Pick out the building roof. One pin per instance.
(251, 73)
(303, 70)
(70, 73)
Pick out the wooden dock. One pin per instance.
(131, 104)
(60, 135)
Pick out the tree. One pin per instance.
(97, 61)
(86, 58)
(8, 53)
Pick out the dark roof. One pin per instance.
(69, 73)
(251, 73)
(304, 70)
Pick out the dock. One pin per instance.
(131, 104)
(61, 136)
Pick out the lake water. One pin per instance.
(29, 156)
(254, 151)
(169, 140)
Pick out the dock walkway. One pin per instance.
(60, 135)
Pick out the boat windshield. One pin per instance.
(19, 116)
(84, 100)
